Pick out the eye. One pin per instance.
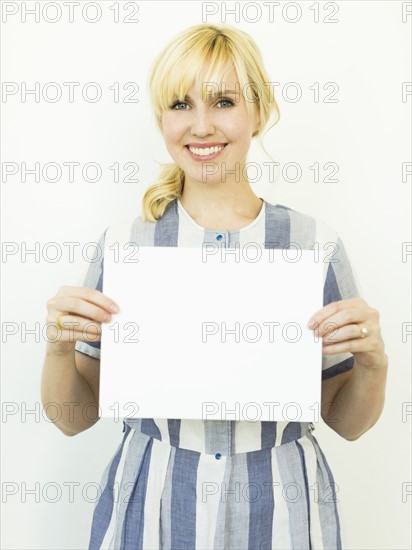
(222, 100)
(225, 100)
(178, 103)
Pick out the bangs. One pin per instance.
(206, 59)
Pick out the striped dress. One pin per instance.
(197, 485)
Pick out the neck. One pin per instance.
(221, 209)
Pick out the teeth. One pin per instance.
(205, 151)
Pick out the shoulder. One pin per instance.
(300, 227)
(129, 229)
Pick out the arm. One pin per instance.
(76, 394)
(358, 403)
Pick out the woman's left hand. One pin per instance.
(351, 326)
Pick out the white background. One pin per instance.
(366, 133)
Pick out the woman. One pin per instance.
(220, 484)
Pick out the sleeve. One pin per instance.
(340, 283)
(94, 279)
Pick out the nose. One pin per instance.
(202, 123)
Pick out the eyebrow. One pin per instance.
(224, 93)
(216, 94)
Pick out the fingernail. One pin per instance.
(114, 308)
(310, 323)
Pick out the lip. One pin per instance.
(204, 145)
(205, 157)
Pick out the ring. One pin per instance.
(363, 331)
(59, 325)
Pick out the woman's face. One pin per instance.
(215, 120)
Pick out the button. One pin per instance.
(218, 455)
(219, 237)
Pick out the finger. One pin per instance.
(354, 345)
(91, 295)
(340, 334)
(65, 305)
(342, 318)
(67, 322)
(334, 307)
(73, 329)
(55, 335)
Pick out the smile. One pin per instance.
(205, 153)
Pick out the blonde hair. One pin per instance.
(173, 73)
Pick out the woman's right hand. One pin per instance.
(79, 312)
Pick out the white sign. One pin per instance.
(211, 333)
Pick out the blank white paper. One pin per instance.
(211, 333)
